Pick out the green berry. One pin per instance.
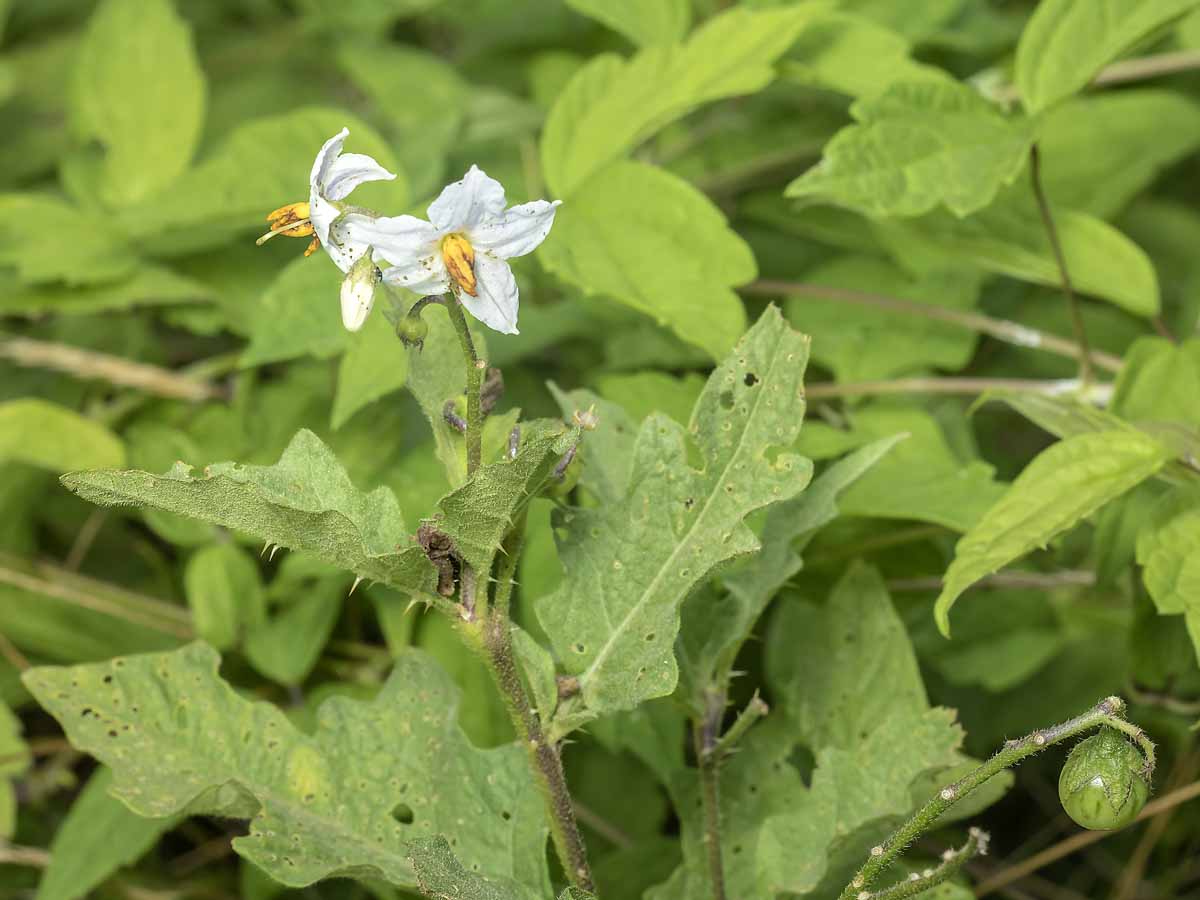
(412, 330)
(1102, 785)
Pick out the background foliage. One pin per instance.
(864, 165)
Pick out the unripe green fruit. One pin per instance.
(412, 330)
(1102, 786)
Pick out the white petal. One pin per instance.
(467, 203)
(325, 159)
(340, 242)
(322, 214)
(496, 303)
(349, 171)
(517, 232)
(358, 296)
(398, 239)
(421, 276)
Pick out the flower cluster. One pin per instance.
(464, 247)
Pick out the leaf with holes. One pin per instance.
(629, 566)
(341, 801)
(1070, 480)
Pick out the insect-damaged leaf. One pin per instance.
(341, 801)
(629, 565)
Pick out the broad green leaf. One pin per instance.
(52, 437)
(629, 566)
(1067, 42)
(1009, 239)
(863, 344)
(921, 479)
(642, 393)
(1070, 480)
(1159, 382)
(260, 166)
(1168, 549)
(440, 875)
(299, 314)
(609, 450)
(148, 286)
(854, 56)
(613, 104)
(671, 254)
(919, 145)
(47, 240)
(341, 801)
(716, 623)
(375, 365)
(99, 836)
(304, 502)
(839, 669)
(224, 592)
(138, 91)
(1100, 152)
(647, 23)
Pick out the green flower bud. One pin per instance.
(1102, 785)
(412, 331)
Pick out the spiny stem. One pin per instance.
(952, 861)
(706, 738)
(1002, 329)
(1106, 712)
(1085, 356)
(475, 368)
(755, 710)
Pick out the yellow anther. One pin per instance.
(296, 213)
(459, 257)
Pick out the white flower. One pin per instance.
(464, 246)
(334, 175)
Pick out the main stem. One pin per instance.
(475, 367)
(706, 737)
(492, 638)
(1085, 352)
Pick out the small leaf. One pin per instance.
(629, 566)
(671, 255)
(99, 836)
(1168, 549)
(1067, 42)
(1070, 480)
(645, 22)
(181, 741)
(918, 145)
(1159, 382)
(138, 91)
(224, 592)
(613, 104)
(52, 437)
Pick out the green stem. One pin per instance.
(1107, 712)
(755, 710)
(1085, 354)
(706, 738)
(475, 367)
(952, 861)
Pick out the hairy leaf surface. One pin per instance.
(629, 566)
(339, 802)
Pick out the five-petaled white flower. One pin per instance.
(334, 175)
(464, 246)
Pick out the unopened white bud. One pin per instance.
(358, 292)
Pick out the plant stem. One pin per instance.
(544, 758)
(1098, 393)
(1106, 712)
(475, 367)
(952, 861)
(1001, 329)
(755, 710)
(1035, 172)
(706, 739)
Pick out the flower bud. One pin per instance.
(1102, 785)
(412, 331)
(358, 292)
